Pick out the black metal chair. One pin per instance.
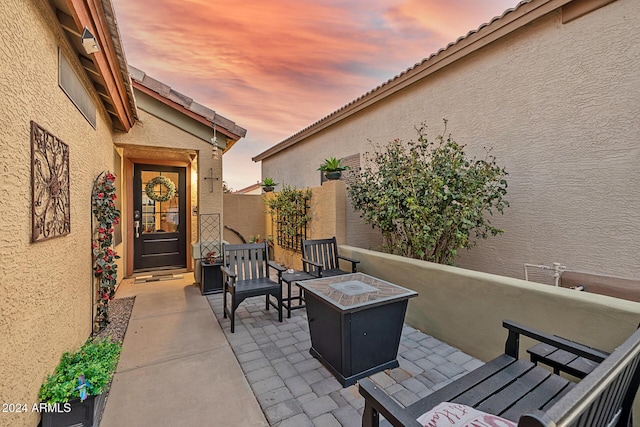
(320, 258)
(245, 273)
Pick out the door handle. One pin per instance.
(136, 222)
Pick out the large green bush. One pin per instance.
(428, 197)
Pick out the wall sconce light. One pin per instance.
(214, 141)
(89, 42)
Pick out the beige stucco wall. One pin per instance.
(559, 105)
(465, 308)
(245, 213)
(45, 287)
(327, 212)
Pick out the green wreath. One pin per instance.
(168, 185)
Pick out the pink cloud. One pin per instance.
(275, 67)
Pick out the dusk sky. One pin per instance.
(275, 67)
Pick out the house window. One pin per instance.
(71, 85)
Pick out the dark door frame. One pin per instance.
(127, 214)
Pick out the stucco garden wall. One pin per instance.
(559, 105)
(466, 308)
(245, 214)
(45, 287)
(327, 219)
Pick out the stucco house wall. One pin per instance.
(558, 103)
(47, 299)
(45, 287)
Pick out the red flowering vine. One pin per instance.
(104, 264)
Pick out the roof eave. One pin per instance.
(108, 60)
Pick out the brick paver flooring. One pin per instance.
(295, 390)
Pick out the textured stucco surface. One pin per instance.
(45, 287)
(245, 213)
(559, 104)
(326, 219)
(466, 308)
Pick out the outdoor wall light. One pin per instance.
(214, 141)
(89, 42)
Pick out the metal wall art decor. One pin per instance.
(50, 201)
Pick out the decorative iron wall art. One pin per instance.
(50, 201)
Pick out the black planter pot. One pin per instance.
(268, 188)
(211, 280)
(74, 413)
(333, 175)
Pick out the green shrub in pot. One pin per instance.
(96, 360)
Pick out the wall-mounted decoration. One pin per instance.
(50, 201)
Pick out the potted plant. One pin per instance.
(268, 184)
(268, 239)
(75, 393)
(332, 168)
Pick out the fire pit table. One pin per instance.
(355, 323)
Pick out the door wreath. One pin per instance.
(170, 189)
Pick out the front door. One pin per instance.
(159, 218)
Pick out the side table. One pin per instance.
(294, 278)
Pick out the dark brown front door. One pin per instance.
(159, 225)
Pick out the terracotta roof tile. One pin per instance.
(183, 100)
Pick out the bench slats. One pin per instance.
(521, 391)
(453, 390)
(611, 386)
(518, 389)
(496, 382)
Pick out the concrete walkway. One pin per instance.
(176, 366)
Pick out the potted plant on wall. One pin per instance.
(268, 185)
(332, 168)
(75, 393)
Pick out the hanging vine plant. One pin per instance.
(289, 208)
(169, 189)
(104, 264)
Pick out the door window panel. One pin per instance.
(160, 217)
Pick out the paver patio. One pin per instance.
(181, 366)
(294, 389)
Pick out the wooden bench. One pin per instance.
(562, 361)
(530, 395)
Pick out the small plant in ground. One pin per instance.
(96, 361)
(428, 197)
(104, 264)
